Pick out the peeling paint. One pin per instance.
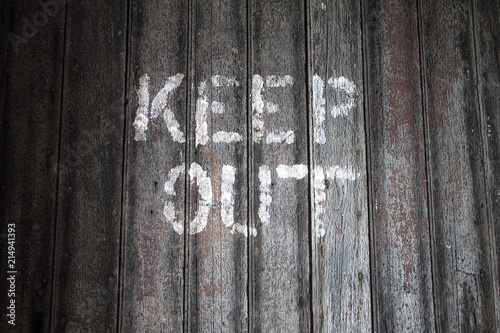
(257, 108)
(342, 173)
(244, 230)
(224, 81)
(201, 133)
(319, 201)
(279, 80)
(226, 137)
(297, 171)
(141, 118)
(280, 137)
(172, 177)
(204, 204)
(218, 107)
(170, 216)
(319, 112)
(161, 99)
(141, 126)
(271, 107)
(160, 103)
(169, 209)
(348, 87)
(265, 194)
(227, 198)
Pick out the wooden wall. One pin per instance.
(250, 166)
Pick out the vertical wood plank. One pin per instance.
(153, 246)
(89, 193)
(340, 243)
(401, 236)
(217, 273)
(280, 254)
(463, 283)
(487, 39)
(29, 134)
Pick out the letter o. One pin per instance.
(200, 219)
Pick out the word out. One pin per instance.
(284, 172)
(149, 110)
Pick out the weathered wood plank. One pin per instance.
(4, 30)
(217, 273)
(29, 135)
(90, 189)
(463, 286)
(153, 250)
(401, 237)
(340, 243)
(280, 254)
(487, 38)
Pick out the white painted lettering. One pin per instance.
(280, 137)
(224, 81)
(349, 88)
(204, 204)
(319, 112)
(279, 80)
(272, 81)
(169, 209)
(297, 171)
(244, 230)
(337, 172)
(201, 135)
(141, 118)
(227, 198)
(265, 194)
(319, 195)
(257, 108)
(159, 104)
(225, 137)
(217, 107)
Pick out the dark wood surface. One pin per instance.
(280, 253)
(153, 254)
(31, 97)
(339, 203)
(217, 259)
(402, 271)
(90, 187)
(262, 166)
(487, 45)
(463, 274)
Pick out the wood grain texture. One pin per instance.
(340, 243)
(280, 253)
(463, 285)
(90, 189)
(401, 236)
(153, 253)
(359, 189)
(29, 135)
(217, 274)
(487, 42)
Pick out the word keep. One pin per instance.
(150, 110)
